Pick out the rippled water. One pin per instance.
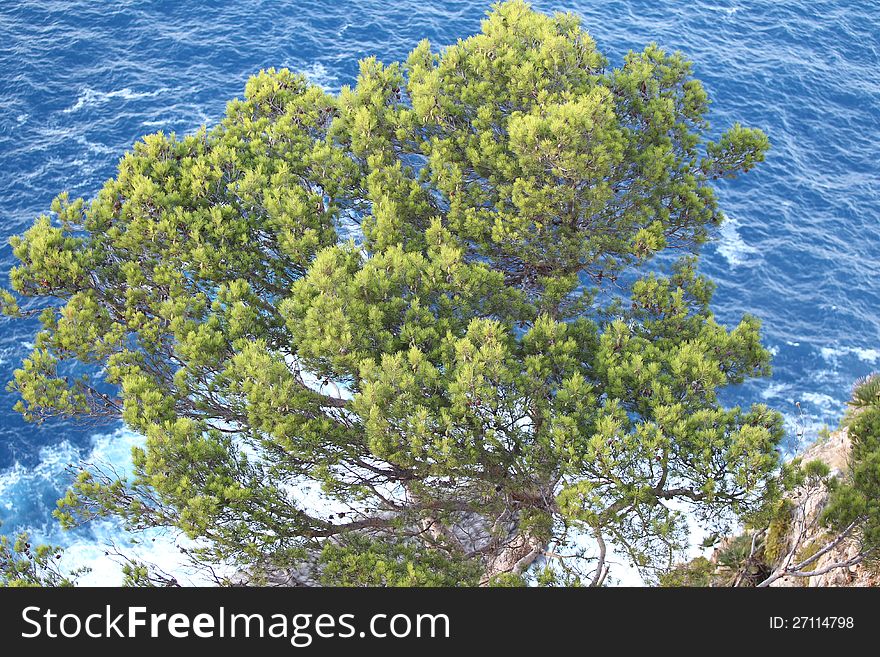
(79, 81)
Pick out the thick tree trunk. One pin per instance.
(514, 556)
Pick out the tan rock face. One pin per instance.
(835, 452)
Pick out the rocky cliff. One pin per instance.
(834, 451)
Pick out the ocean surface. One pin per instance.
(80, 81)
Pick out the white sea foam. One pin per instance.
(867, 355)
(89, 97)
(159, 549)
(864, 354)
(22, 489)
(821, 402)
(730, 11)
(734, 249)
(95, 147)
(830, 353)
(320, 75)
(775, 390)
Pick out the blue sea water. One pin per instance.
(81, 80)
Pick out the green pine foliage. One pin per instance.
(855, 497)
(23, 564)
(495, 367)
(699, 572)
(364, 562)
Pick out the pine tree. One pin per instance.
(461, 297)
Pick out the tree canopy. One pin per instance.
(435, 295)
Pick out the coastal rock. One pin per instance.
(834, 451)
